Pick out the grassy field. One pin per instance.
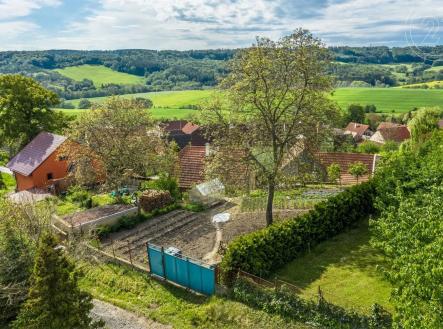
(100, 75)
(389, 100)
(435, 69)
(431, 84)
(345, 268)
(176, 104)
(9, 183)
(166, 304)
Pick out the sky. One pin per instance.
(204, 24)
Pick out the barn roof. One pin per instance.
(192, 165)
(396, 134)
(35, 153)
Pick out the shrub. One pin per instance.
(323, 314)
(81, 196)
(266, 250)
(164, 183)
(152, 199)
(368, 147)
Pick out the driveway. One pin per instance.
(118, 318)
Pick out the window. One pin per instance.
(50, 176)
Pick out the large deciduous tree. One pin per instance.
(115, 141)
(25, 110)
(274, 104)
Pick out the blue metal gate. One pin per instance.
(171, 265)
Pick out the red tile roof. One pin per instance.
(175, 125)
(356, 128)
(189, 128)
(345, 160)
(396, 134)
(192, 165)
(35, 153)
(385, 125)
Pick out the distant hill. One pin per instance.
(74, 74)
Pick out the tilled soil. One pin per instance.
(193, 233)
(118, 318)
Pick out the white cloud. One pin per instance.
(10, 9)
(185, 24)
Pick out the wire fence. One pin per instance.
(260, 203)
(277, 283)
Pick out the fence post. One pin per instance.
(113, 249)
(130, 253)
(163, 261)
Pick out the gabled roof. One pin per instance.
(35, 153)
(396, 134)
(358, 129)
(385, 125)
(173, 126)
(192, 165)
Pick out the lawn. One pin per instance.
(345, 269)
(100, 75)
(9, 183)
(389, 99)
(167, 304)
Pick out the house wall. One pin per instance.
(377, 138)
(39, 178)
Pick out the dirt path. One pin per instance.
(118, 318)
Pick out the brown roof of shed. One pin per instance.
(192, 165)
(35, 153)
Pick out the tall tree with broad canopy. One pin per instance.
(117, 140)
(25, 110)
(273, 104)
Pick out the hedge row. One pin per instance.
(264, 251)
(321, 313)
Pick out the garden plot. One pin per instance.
(193, 233)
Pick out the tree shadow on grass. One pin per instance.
(350, 249)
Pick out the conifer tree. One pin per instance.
(55, 300)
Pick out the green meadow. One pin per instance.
(179, 104)
(100, 75)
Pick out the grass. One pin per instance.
(100, 75)
(167, 304)
(345, 267)
(430, 84)
(177, 104)
(9, 182)
(435, 69)
(66, 207)
(388, 100)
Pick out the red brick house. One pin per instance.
(38, 165)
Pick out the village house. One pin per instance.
(38, 165)
(358, 131)
(184, 133)
(387, 131)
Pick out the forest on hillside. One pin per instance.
(198, 69)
